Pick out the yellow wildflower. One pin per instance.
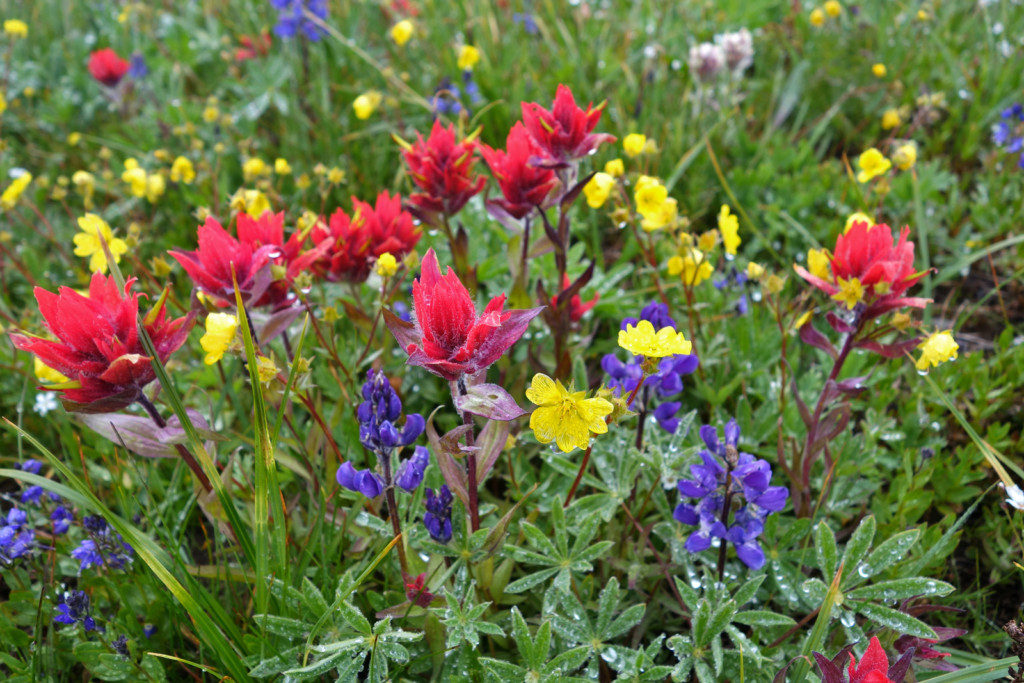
(598, 189)
(802, 320)
(937, 348)
(266, 368)
(615, 168)
(135, 177)
(402, 32)
(252, 202)
(692, 266)
(335, 175)
(653, 203)
(664, 216)
(872, 164)
(155, 187)
(3, 103)
(220, 333)
(729, 226)
(707, 240)
(46, 374)
(755, 271)
(89, 242)
(13, 193)
(642, 340)
(879, 70)
(901, 320)
(85, 183)
(211, 114)
(182, 171)
(366, 104)
(833, 8)
(468, 57)
(303, 181)
(564, 416)
(16, 28)
(818, 264)
(386, 265)
(890, 119)
(773, 284)
(857, 217)
(633, 144)
(282, 167)
(253, 168)
(905, 156)
(817, 17)
(851, 292)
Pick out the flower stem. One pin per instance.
(396, 523)
(185, 454)
(730, 460)
(579, 476)
(471, 482)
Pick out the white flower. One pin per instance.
(1014, 496)
(738, 47)
(47, 401)
(706, 61)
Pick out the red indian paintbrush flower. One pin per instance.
(448, 338)
(443, 169)
(565, 132)
(251, 48)
(868, 267)
(210, 266)
(98, 347)
(873, 667)
(287, 257)
(107, 67)
(351, 245)
(577, 307)
(523, 183)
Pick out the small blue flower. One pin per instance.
(528, 22)
(138, 68)
(410, 472)
(438, 518)
(61, 518)
(148, 630)
(73, 608)
(32, 466)
(32, 495)
(364, 481)
(292, 18)
(103, 548)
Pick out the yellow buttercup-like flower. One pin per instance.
(879, 70)
(88, 242)
(817, 16)
(643, 340)
(890, 119)
(633, 144)
(182, 171)
(220, 333)
(755, 271)
(253, 202)
(85, 183)
(16, 28)
(851, 292)
(468, 57)
(615, 168)
(598, 189)
(872, 164)
(857, 217)
(46, 374)
(818, 264)
(13, 193)
(282, 167)
(155, 187)
(402, 32)
(366, 104)
(937, 348)
(692, 266)
(833, 8)
(905, 156)
(563, 416)
(253, 168)
(729, 226)
(387, 265)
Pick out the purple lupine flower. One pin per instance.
(470, 87)
(73, 608)
(446, 99)
(528, 22)
(741, 486)
(365, 482)
(148, 630)
(137, 67)
(31, 466)
(292, 18)
(1009, 133)
(410, 472)
(738, 280)
(666, 382)
(401, 309)
(61, 518)
(438, 518)
(32, 495)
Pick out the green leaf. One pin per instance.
(858, 545)
(718, 621)
(825, 547)
(762, 618)
(900, 589)
(748, 590)
(355, 618)
(898, 621)
(888, 553)
(282, 626)
(531, 580)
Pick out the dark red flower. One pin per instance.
(210, 266)
(873, 667)
(576, 306)
(448, 338)
(417, 593)
(251, 48)
(443, 169)
(351, 245)
(98, 346)
(883, 269)
(287, 258)
(107, 67)
(523, 183)
(564, 132)
(923, 650)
